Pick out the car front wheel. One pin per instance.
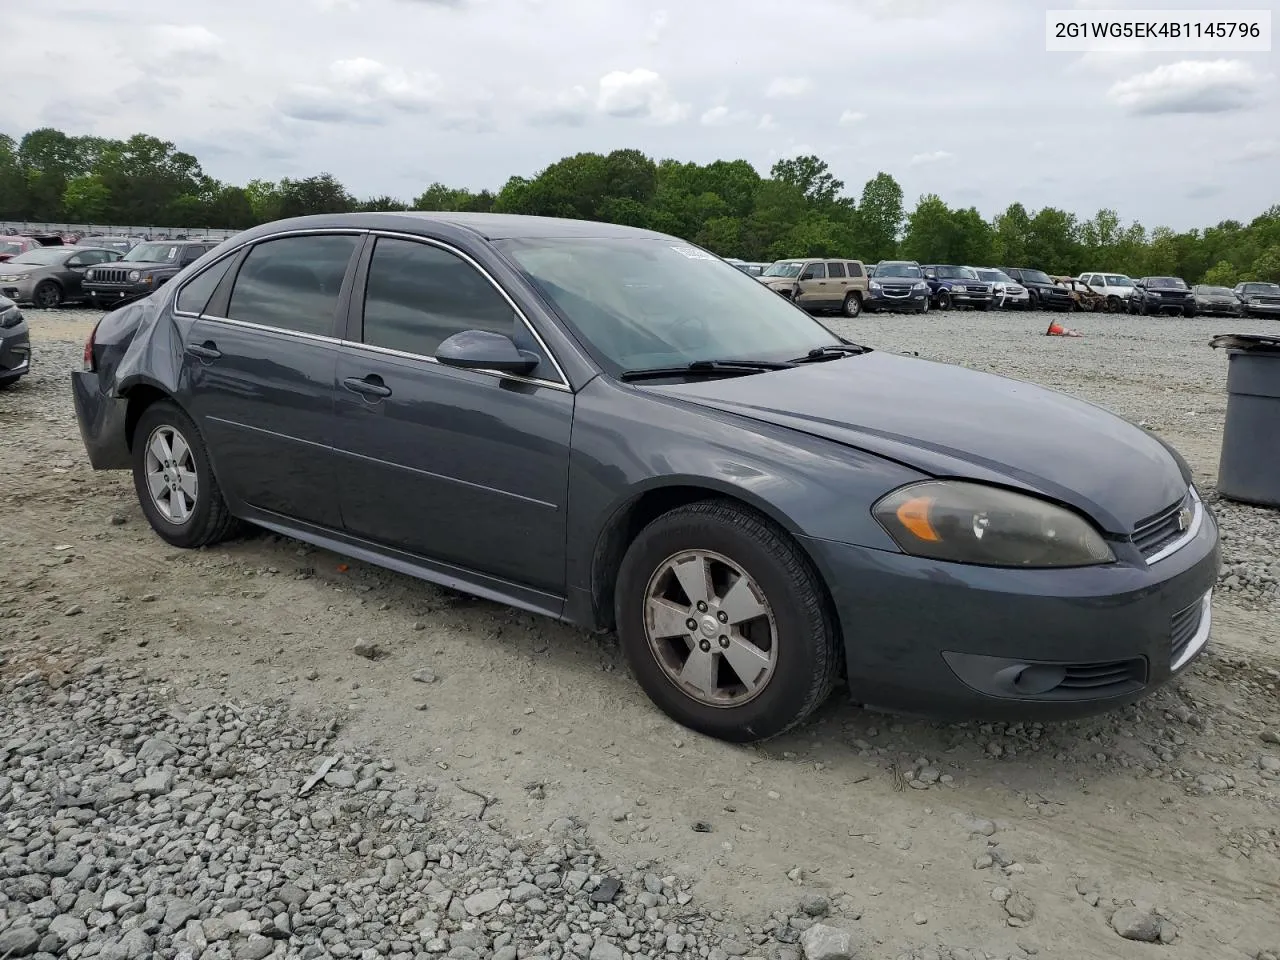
(724, 622)
(852, 305)
(47, 295)
(174, 480)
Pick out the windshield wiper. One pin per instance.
(714, 367)
(831, 352)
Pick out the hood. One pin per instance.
(12, 269)
(1165, 289)
(949, 421)
(778, 281)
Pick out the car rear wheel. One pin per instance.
(724, 622)
(47, 295)
(852, 305)
(175, 483)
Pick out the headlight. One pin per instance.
(10, 279)
(974, 523)
(134, 276)
(10, 318)
(921, 286)
(959, 288)
(873, 285)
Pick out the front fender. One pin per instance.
(628, 443)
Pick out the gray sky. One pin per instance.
(950, 96)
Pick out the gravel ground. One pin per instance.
(497, 773)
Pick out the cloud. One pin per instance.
(657, 26)
(1255, 150)
(907, 9)
(640, 94)
(1191, 86)
(172, 48)
(782, 87)
(1203, 191)
(722, 116)
(851, 118)
(568, 108)
(362, 91)
(767, 122)
(937, 156)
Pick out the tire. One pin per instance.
(944, 300)
(1033, 300)
(1189, 313)
(1113, 304)
(852, 306)
(804, 657)
(47, 295)
(207, 519)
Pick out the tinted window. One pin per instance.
(814, 271)
(419, 295)
(835, 269)
(194, 296)
(855, 270)
(292, 283)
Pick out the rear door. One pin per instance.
(837, 284)
(258, 370)
(465, 467)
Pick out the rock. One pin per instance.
(154, 784)
(822, 942)
(1020, 907)
(254, 948)
(155, 751)
(603, 948)
(178, 912)
(366, 649)
(486, 901)
(1133, 923)
(815, 905)
(69, 931)
(114, 900)
(19, 942)
(424, 676)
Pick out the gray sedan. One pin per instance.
(50, 276)
(15, 343)
(618, 429)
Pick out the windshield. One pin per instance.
(1035, 276)
(640, 303)
(153, 252)
(906, 270)
(783, 269)
(1214, 291)
(956, 273)
(1270, 289)
(993, 276)
(1166, 282)
(1117, 280)
(42, 256)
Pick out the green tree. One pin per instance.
(322, 193)
(1222, 274)
(264, 200)
(1267, 266)
(87, 198)
(811, 176)
(880, 218)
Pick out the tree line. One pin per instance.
(799, 209)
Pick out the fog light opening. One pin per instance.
(1031, 680)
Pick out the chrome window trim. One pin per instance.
(562, 384)
(344, 231)
(1201, 636)
(520, 314)
(1193, 528)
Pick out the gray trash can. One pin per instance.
(1249, 467)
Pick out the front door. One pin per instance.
(463, 467)
(260, 381)
(813, 293)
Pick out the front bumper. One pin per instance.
(1210, 309)
(966, 299)
(958, 642)
(1168, 305)
(910, 301)
(103, 422)
(19, 291)
(1263, 309)
(15, 353)
(97, 293)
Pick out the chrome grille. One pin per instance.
(109, 276)
(1155, 533)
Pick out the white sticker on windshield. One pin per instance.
(692, 253)
(173, 252)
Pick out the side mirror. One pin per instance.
(484, 350)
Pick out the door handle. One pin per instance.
(205, 351)
(370, 386)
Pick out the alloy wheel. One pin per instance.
(171, 474)
(710, 628)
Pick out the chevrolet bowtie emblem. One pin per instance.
(1184, 518)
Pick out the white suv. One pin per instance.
(1116, 287)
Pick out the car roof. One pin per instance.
(489, 226)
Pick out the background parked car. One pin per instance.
(751, 269)
(819, 285)
(1044, 293)
(1116, 287)
(143, 269)
(898, 286)
(1086, 298)
(1154, 296)
(1008, 294)
(50, 276)
(1259, 299)
(956, 286)
(1217, 301)
(121, 245)
(15, 343)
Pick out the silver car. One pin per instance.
(50, 276)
